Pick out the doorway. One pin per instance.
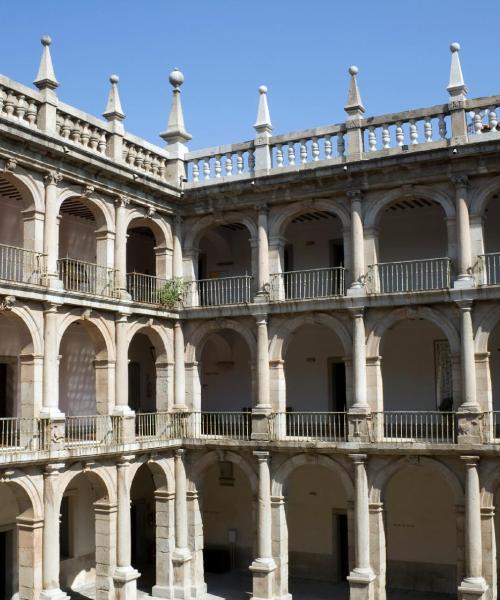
(7, 570)
(337, 385)
(341, 544)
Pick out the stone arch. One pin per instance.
(281, 475)
(484, 327)
(97, 329)
(31, 340)
(31, 190)
(160, 469)
(281, 335)
(481, 196)
(22, 481)
(377, 330)
(157, 335)
(282, 217)
(198, 337)
(199, 227)
(99, 477)
(377, 206)
(160, 227)
(195, 475)
(382, 477)
(100, 209)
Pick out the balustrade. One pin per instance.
(160, 426)
(489, 268)
(94, 430)
(221, 425)
(144, 157)
(221, 162)
(324, 426)
(147, 288)
(82, 129)
(88, 278)
(311, 283)
(482, 116)
(409, 276)
(415, 426)
(219, 291)
(23, 435)
(21, 265)
(18, 102)
(310, 146)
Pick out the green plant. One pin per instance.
(171, 294)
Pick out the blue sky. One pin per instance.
(300, 49)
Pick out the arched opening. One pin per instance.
(418, 381)
(225, 371)
(319, 528)
(84, 249)
(21, 259)
(311, 256)
(20, 565)
(85, 537)
(407, 260)
(494, 360)
(19, 369)
(421, 534)
(316, 383)
(228, 517)
(142, 374)
(224, 266)
(491, 239)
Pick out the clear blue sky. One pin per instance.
(300, 49)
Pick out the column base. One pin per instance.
(260, 422)
(356, 289)
(361, 585)
(125, 579)
(53, 282)
(263, 578)
(359, 421)
(51, 412)
(181, 562)
(464, 282)
(472, 588)
(162, 591)
(470, 425)
(53, 595)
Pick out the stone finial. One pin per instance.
(354, 106)
(46, 78)
(263, 123)
(456, 86)
(114, 111)
(176, 130)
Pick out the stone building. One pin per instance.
(271, 367)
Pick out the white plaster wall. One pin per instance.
(421, 531)
(226, 378)
(408, 372)
(77, 386)
(227, 252)
(229, 507)
(494, 349)
(306, 367)
(412, 234)
(311, 242)
(11, 222)
(140, 352)
(77, 238)
(492, 226)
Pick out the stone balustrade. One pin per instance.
(81, 129)
(18, 102)
(145, 157)
(220, 162)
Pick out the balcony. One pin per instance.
(146, 289)
(87, 278)
(221, 425)
(94, 431)
(409, 276)
(311, 283)
(21, 265)
(219, 291)
(309, 426)
(415, 426)
(489, 268)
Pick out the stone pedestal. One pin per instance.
(470, 427)
(361, 586)
(260, 424)
(263, 578)
(359, 424)
(472, 588)
(181, 562)
(54, 595)
(125, 579)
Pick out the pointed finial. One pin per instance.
(176, 130)
(263, 123)
(456, 86)
(114, 107)
(46, 78)
(354, 106)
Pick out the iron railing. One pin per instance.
(434, 427)
(92, 430)
(490, 268)
(325, 426)
(311, 283)
(87, 278)
(409, 276)
(220, 291)
(161, 426)
(146, 288)
(21, 265)
(221, 425)
(23, 435)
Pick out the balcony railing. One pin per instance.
(409, 276)
(23, 435)
(311, 283)
(325, 426)
(146, 288)
(93, 430)
(87, 278)
(490, 268)
(220, 291)
(161, 426)
(221, 425)
(433, 427)
(21, 265)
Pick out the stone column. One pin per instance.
(473, 585)
(359, 424)
(50, 407)
(50, 556)
(263, 566)
(361, 577)
(30, 544)
(125, 576)
(105, 549)
(263, 406)
(164, 546)
(357, 244)
(177, 267)
(277, 266)
(377, 548)
(181, 556)
(121, 203)
(464, 259)
(122, 408)
(51, 229)
(280, 547)
(489, 549)
(263, 253)
(179, 368)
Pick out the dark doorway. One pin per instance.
(134, 386)
(336, 253)
(4, 408)
(337, 386)
(7, 575)
(64, 548)
(342, 546)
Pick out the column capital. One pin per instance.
(121, 201)
(464, 305)
(470, 461)
(52, 178)
(355, 194)
(358, 459)
(262, 455)
(262, 208)
(51, 307)
(357, 312)
(459, 180)
(180, 453)
(121, 317)
(124, 461)
(53, 469)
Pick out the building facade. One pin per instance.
(266, 363)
